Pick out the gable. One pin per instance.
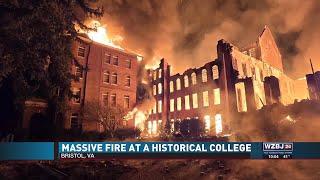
(269, 50)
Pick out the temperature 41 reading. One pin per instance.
(287, 156)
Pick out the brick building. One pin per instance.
(239, 80)
(102, 74)
(313, 82)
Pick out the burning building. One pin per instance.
(239, 80)
(313, 81)
(103, 74)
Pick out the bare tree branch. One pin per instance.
(109, 117)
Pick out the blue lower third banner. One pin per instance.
(161, 150)
(165, 150)
(27, 151)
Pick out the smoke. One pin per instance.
(279, 123)
(185, 32)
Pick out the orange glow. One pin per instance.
(139, 57)
(101, 35)
(138, 116)
(302, 78)
(153, 64)
(144, 81)
(139, 120)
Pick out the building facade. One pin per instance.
(313, 82)
(102, 75)
(239, 80)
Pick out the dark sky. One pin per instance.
(186, 31)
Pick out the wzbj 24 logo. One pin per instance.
(277, 146)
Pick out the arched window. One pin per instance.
(171, 105)
(186, 81)
(204, 75)
(154, 90)
(154, 75)
(205, 97)
(178, 84)
(160, 73)
(215, 72)
(207, 123)
(217, 97)
(194, 78)
(195, 100)
(160, 106)
(187, 102)
(171, 86)
(179, 103)
(218, 123)
(159, 88)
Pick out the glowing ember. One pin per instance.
(101, 35)
(288, 118)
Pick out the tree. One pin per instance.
(109, 117)
(35, 52)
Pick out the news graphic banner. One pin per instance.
(160, 150)
(27, 151)
(167, 150)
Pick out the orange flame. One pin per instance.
(138, 116)
(101, 35)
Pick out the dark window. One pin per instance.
(78, 72)
(76, 95)
(128, 81)
(105, 99)
(81, 50)
(74, 121)
(107, 58)
(115, 60)
(106, 77)
(126, 102)
(114, 78)
(128, 63)
(113, 100)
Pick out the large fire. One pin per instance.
(154, 63)
(101, 35)
(138, 116)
